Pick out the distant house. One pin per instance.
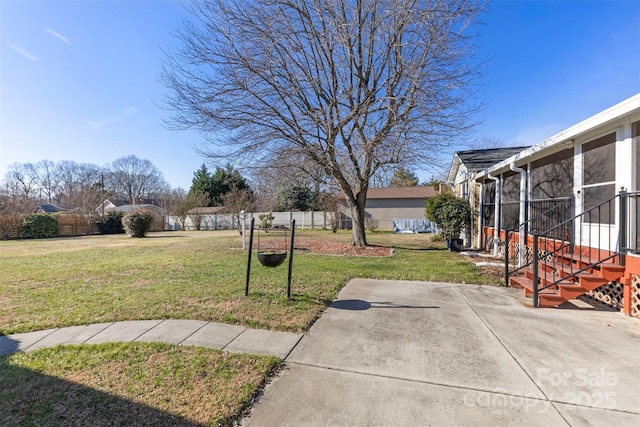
(467, 163)
(109, 205)
(49, 209)
(391, 206)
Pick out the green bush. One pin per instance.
(137, 223)
(111, 223)
(39, 226)
(266, 220)
(451, 214)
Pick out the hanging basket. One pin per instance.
(271, 259)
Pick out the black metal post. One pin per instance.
(293, 232)
(506, 261)
(535, 270)
(246, 286)
(623, 226)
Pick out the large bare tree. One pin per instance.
(135, 178)
(353, 85)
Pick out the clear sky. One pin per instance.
(79, 78)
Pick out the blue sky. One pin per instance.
(79, 79)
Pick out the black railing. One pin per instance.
(544, 214)
(594, 231)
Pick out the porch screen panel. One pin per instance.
(510, 200)
(552, 177)
(635, 134)
(488, 203)
(634, 202)
(599, 174)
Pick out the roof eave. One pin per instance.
(565, 139)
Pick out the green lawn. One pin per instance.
(179, 275)
(197, 275)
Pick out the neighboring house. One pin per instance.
(129, 208)
(467, 163)
(564, 195)
(461, 178)
(109, 205)
(389, 204)
(49, 209)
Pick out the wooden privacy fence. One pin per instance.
(76, 225)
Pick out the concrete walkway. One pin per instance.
(184, 332)
(417, 354)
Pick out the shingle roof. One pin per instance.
(476, 160)
(49, 208)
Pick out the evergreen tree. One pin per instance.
(403, 178)
(201, 183)
(223, 181)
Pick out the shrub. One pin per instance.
(39, 226)
(137, 223)
(10, 225)
(371, 224)
(451, 214)
(111, 223)
(266, 220)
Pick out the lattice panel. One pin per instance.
(635, 295)
(610, 294)
(514, 253)
(488, 243)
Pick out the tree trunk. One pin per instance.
(359, 237)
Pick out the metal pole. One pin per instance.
(244, 234)
(623, 226)
(535, 270)
(246, 286)
(293, 232)
(506, 260)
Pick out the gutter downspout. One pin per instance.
(480, 212)
(496, 215)
(523, 206)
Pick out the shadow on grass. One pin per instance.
(28, 397)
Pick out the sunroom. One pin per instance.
(574, 195)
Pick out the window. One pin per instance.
(598, 178)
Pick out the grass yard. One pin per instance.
(194, 275)
(179, 275)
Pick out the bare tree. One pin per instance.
(354, 86)
(12, 212)
(47, 179)
(236, 201)
(21, 181)
(135, 178)
(79, 185)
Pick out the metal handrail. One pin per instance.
(611, 254)
(508, 273)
